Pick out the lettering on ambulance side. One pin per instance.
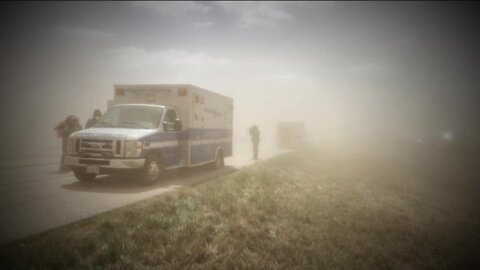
(213, 111)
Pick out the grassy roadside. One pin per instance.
(309, 209)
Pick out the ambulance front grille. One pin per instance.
(99, 148)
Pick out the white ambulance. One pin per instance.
(152, 128)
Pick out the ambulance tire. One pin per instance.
(83, 176)
(152, 171)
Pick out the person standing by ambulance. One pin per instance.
(255, 134)
(97, 114)
(64, 129)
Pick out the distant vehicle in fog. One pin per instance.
(291, 135)
(152, 128)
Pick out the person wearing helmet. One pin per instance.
(97, 114)
(64, 129)
(255, 134)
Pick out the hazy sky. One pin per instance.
(345, 68)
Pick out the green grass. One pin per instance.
(310, 209)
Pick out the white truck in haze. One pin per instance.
(152, 128)
(291, 135)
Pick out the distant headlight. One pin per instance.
(133, 148)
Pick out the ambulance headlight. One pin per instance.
(133, 148)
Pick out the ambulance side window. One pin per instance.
(169, 121)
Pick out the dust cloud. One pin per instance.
(354, 73)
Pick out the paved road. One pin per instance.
(35, 198)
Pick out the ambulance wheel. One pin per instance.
(219, 161)
(152, 171)
(81, 175)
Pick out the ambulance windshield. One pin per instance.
(131, 116)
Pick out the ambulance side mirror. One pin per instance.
(178, 125)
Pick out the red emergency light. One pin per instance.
(182, 92)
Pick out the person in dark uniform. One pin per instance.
(64, 129)
(97, 114)
(255, 134)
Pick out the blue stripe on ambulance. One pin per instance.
(206, 152)
(172, 155)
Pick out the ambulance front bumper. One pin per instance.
(121, 164)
